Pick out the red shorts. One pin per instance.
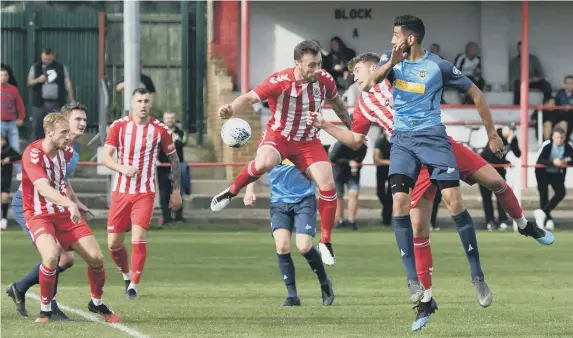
(301, 153)
(468, 163)
(129, 209)
(60, 227)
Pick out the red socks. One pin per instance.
(248, 175)
(327, 211)
(96, 277)
(509, 202)
(119, 256)
(138, 256)
(423, 254)
(47, 279)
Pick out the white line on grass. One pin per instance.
(92, 318)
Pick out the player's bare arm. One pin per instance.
(74, 198)
(383, 71)
(52, 195)
(495, 142)
(347, 137)
(340, 110)
(250, 196)
(108, 161)
(239, 105)
(175, 200)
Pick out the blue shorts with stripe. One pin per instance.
(299, 216)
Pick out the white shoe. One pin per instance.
(3, 224)
(222, 200)
(540, 218)
(503, 226)
(550, 225)
(326, 253)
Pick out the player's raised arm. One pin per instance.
(387, 62)
(347, 137)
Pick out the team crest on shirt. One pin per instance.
(316, 92)
(384, 57)
(422, 74)
(456, 71)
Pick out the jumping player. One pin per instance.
(52, 218)
(375, 106)
(76, 115)
(137, 139)
(292, 93)
(293, 207)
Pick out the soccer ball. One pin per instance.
(236, 132)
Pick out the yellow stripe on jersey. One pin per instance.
(418, 88)
(287, 162)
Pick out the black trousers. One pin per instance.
(542, 85)
(384, 194)
(557, 182)
(164, 196)
(488, 203)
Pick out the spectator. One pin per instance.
(435, 49)
(346, 170)
(555, 154)
(50, 82)
(146, 83)
(382, 162)
(536, 76)
(469, 63)
(11, 78)
(12, 110)
(325, 57)
(510, 142)
(339, 57)
(164, 173)
(561, 117)
(9, 156)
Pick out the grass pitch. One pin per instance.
(221, 283)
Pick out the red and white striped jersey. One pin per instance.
(37, 166)
(290, 102)
(138, 146)
(374, 106)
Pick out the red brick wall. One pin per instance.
(226, 35)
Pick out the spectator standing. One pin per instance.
(145, 82)
(164, 173)
(11, 78)
(12, 110)
(9, 156)
(339, 57)
(382, 162)
(510, 143)
(51, 85)
(536, 76)
(556, 155)
(348, 163)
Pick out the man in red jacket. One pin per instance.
(12, 110)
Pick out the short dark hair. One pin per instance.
(568, 77)
(364, 57)
(68, 108)
(141, 91)
(559, 130)
(306, 47)
(412, 24)
(47, 51)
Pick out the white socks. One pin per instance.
(521, 223)
(427, 295)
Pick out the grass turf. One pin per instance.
(221, 283)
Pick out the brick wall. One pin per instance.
(225, 43)
(220, 92)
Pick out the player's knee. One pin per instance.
(67, 260)
(495, 183)
(304, 246)
(266, 163)
(94, 259)
(282, 248)
(50, 259)
(420, 228)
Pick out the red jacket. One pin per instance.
(12, 106)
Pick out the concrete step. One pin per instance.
(196, 172)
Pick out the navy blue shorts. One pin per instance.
(18, 213)
(300, 216)
(431, 147)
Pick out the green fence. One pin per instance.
(74, 38)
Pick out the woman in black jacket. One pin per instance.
(555, 155)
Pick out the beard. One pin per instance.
(311, 78)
